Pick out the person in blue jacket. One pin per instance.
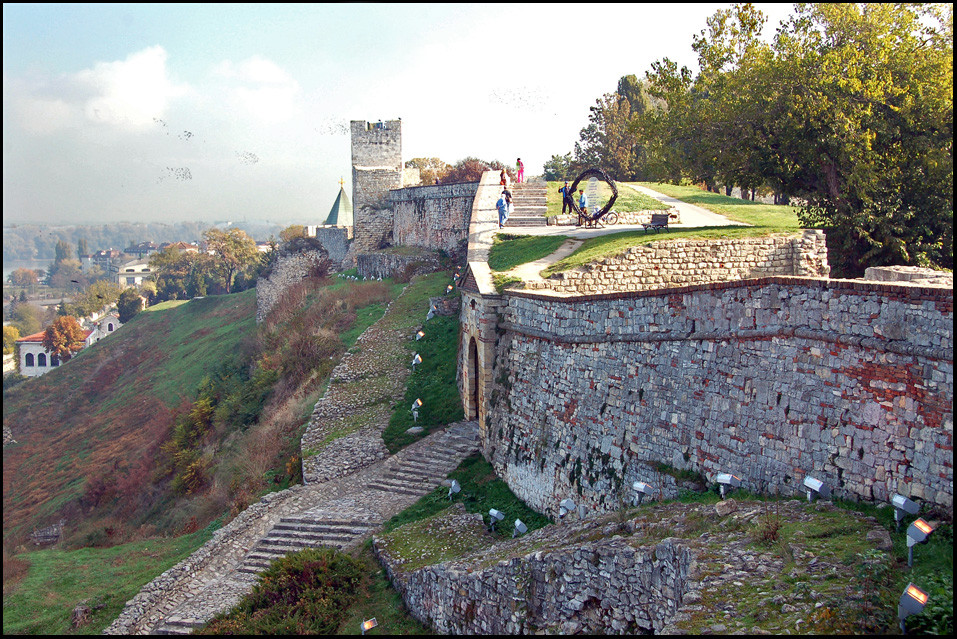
(503, 206)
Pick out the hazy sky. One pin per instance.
(221, 112)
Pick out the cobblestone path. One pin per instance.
(352, 486)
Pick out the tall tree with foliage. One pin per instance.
(233, 251)
(872, 87)
(129, 304)
(64, 338)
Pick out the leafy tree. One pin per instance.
(471, 169)
(180, 274)
(27, 318)
(82, 247)
(292, 231)
(431, 170)
(23, 277)
(10, 337)
(558, 168)
(97, 296)
(64, 337)
(63, 251)
(129, 304)
(233, 251)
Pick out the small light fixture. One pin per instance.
(449, 289)
(419, 335)
(912, 602)
(816, 486)
(416, 361)
(454, 488)
(369, 624)
(917, 533)
(566, 506)
(903, 505)
(429, 315)
(727, 479)
(494, 516)
(520, 529)
(415, 409)
(642, 488)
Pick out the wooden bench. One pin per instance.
(658, 221)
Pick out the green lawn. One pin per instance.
(508, 251)
(764, 219)
(57, 580)
(776, 217)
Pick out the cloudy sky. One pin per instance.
(219, 112)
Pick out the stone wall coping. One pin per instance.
(434, 191)
(903, 289)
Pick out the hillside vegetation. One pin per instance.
(186, 414)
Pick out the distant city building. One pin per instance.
(106, 259)
(141, 250)
(133, 273)
(184, 247)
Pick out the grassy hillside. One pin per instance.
(101, 414)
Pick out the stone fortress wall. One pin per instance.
(433, 217)
(770, 379)
(682, 262)
(376, 169)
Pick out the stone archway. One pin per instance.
(472, 392)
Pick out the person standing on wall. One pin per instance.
(502, 205)
(521, 171)
(566, 198)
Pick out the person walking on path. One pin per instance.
(566, 198)
(503, 205)
(521, 171)
(503, 179)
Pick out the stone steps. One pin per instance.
(296, 533)
(530, 207)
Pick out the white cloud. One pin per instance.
(129, 93)
(260, 88)
(126, 94)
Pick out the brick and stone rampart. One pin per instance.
(681, 262)
(383, 264)
(770, 379)
(288, 270)
(433, 217)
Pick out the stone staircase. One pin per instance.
(529, 200)
(349, 511)
(418, 471)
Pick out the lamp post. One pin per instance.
(912, 601)
(494, 516)
(726, 479)
(816, 486)
(917, 533)
(903, 505)
(520, 529)
(642, 488)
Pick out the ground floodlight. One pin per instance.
(642, 488)
(566, 506)
(727, 479)
(429, 315)
(494, 516)
(416, 361)
(816, 486)
(454, 488)
(416, 404)
(419, 335)
(449, 289)
(917, 533)
(903, 505)
(520, 529)
(369, 625)
(912, 602)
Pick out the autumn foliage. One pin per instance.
(64, 337)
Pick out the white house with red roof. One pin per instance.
(33, 357)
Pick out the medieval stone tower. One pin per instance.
(376, 168)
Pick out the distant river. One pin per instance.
(10, 267)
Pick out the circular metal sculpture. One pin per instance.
(586, 174)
